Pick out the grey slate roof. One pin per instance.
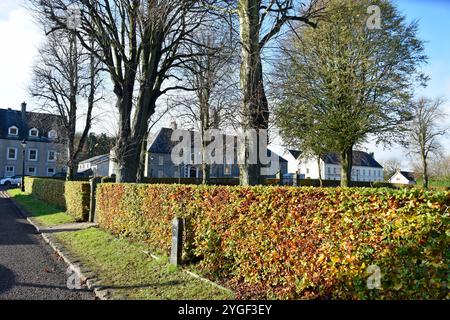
(360, 159)
(408, 175)
(295, 153)
(161, 143)
(42, 121)
(97, 159)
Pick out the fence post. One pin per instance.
(177, 242)
(93, 184)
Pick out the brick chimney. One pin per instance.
(174, 125)
(24, 110)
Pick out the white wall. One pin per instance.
(333, 172)
(398, 178)
(310, 168)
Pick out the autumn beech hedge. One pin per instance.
(72, 196)
(296, 243)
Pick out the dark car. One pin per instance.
(60, 175)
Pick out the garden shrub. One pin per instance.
(72, 196)
(48, 190)
(77, 196)
(296, 243)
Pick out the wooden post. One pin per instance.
(93, 183)
(177, 242)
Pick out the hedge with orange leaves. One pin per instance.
(296, 242)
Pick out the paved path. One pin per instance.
(28, 267)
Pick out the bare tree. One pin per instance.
(214, 83)
(141, 43)
(64, 76)
(154, 120)
(425, 130)
(260, 21)
(391, 166)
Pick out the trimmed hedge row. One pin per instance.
(296, 242)
(72, 196)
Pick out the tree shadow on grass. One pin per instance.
(34, 208)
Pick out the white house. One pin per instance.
(99, 166)
(403, 177)
(293, 158)
(365, 167)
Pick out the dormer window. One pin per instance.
(53, 134)
(13, 131)
(34, 132)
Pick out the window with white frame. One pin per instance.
(50, 172)
(52, 134)
(160, 174)
(31, 171)
(13, 131)
(33, 155)
(11, 154)
(51, 156)
(34, 132)
(161, 160)
(10, 171)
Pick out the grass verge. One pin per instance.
(42, 212)
(130, 273)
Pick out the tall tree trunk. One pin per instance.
(254, 105)
(319, 167)
(126, 148)
(204, 97)
(145, 108)
(346, 163)
(72, 112)
(425, 177)
(142, 160)
(71, 168)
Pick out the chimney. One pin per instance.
(174, 125)
(24, 110)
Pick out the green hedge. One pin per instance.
(72, 196)
(295, 243)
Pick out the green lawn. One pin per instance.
(43, 213)
(120, 264)
(133, 274)
(433, 183)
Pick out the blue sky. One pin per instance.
(434, 28)
(20, 37)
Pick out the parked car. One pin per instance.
(11, 181)
(60, 175)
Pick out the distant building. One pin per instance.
(97, 166)
(159, 162)
(403, 177)
(365, 167)
(293, 157)
(45, 152)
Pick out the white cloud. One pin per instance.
(20, 38)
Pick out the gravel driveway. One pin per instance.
(29, 270)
